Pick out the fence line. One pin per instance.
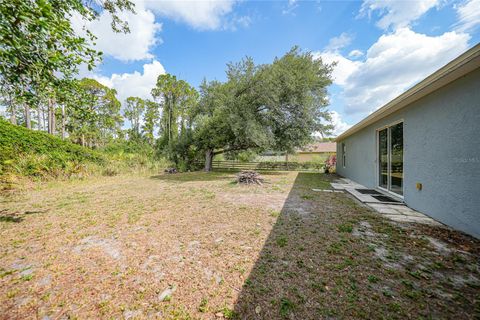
(271, 166)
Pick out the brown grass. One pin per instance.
(107, 247)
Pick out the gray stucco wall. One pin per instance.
(441, 151)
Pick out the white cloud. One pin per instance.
(135, 45)
(134, 84)
(344, 67)
(290, 8)
(468, 15)
(392, 64)
(355, 54)
(339, 125)
(199, 14)
(234, 22)
(337, 43)
(396, 14)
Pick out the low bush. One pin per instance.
(16, 140)
(29, 153)
(38, 155)
(291, 165)
(331, 164)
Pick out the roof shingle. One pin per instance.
(320, 147)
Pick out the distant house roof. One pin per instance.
(465, 63)
(319, 147)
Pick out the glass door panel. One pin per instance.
(383, 158)
(390, 158)
(396, 158)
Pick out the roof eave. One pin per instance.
(465, 63)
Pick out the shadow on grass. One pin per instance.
(323, 260)
(11, 218)
(15, 217)
(194, 176)
(272, 173)
(208, 176)
(286, 281)
(261, 172)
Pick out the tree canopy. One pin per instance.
(177, 99)
(39, 46)
(134, 109)
(274, 106)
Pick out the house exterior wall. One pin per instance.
(441, 151)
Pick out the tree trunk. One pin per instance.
(44, 126)
(63, 121)
(13, 113)
(208, 160)
(137, 125)
(51, 117)
(39, 118)
(169, 125)
(83, 140)
(54, 120)
(28, 122)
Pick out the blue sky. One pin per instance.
(381, 47)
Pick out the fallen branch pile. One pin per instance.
(249, 177)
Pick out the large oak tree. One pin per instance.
(275, 106)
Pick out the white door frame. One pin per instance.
(377, 160)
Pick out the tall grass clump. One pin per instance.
(132, 156)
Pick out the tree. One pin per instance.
(99, 113)
(299, 109)
(80, 115)
(176, 98)
(69, 96)
(150, 120)
(39, 47)
(133, 112)
(212, 125)
(277, 106)
(90, 112)
(7, 99)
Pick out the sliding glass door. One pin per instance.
(383, 158)
(396, 158)
(390, 158)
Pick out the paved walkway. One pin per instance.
(393, 211)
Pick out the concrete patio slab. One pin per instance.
(398, 212)
(327, 190)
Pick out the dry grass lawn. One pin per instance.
(198, 246)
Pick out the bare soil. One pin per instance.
(200, 246)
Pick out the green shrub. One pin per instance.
(291, 165)
(246, 156)
(16, 140)
(31, 153)
(38, 155)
